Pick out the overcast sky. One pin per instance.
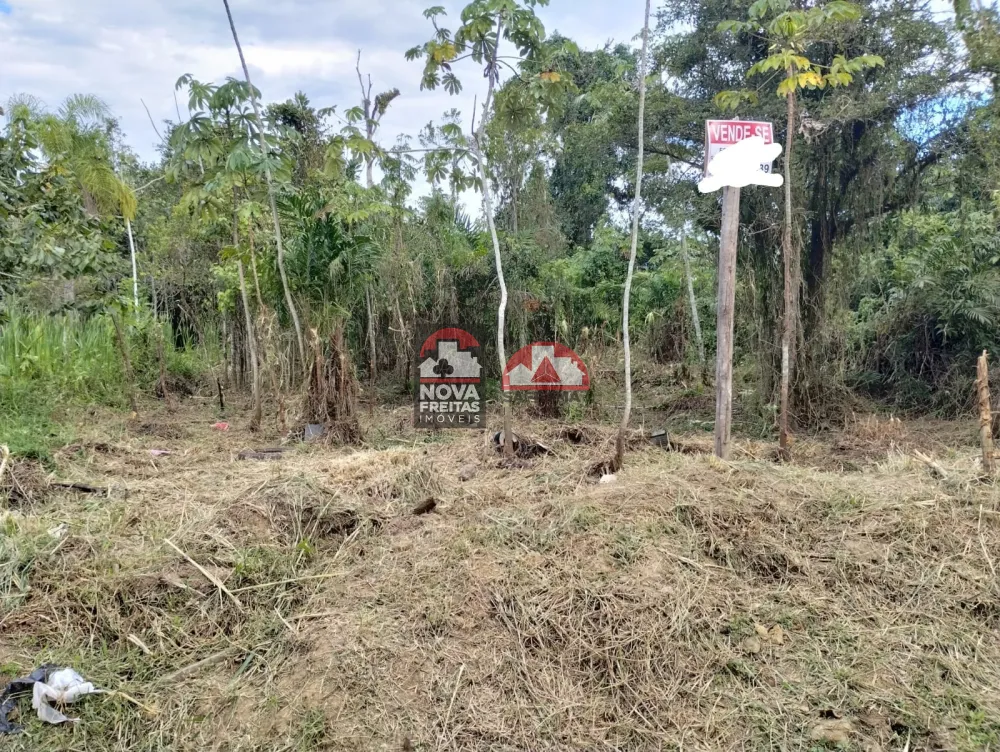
(130, 50)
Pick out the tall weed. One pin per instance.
(49, 363)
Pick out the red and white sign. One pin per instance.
(449, 376)
(720, 134)
(545, 366)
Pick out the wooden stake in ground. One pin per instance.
(985, 414)
(725, 321)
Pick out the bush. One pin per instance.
(48, 362)
(928, 305)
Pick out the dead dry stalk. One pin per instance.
(193, 667)
(4, 459)
(934, 467)
(208, 575)
(447, 715)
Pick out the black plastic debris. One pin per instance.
(660, 438)
(11, 693)
(523, 447)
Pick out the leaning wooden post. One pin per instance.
(985, 414)
(725, 321)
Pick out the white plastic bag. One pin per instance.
(62, 687)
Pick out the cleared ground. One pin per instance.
(848, 600)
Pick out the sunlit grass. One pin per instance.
(52, 362)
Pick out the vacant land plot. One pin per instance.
(416, 595)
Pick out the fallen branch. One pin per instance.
(82, 488)
(934, 467)
(214, 658)
(317, 615)
(307, 577)
(251, 455)
(211, 577)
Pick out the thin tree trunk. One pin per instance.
(255, 420)
(508, 443)
(513, 214)
(135, 272)
(226, 348)
(152, 287)
(126, 364)
(253, 268)
(372, 352)
(366, 106)
(270, 194)
(636, 207)
(164, 390)
(694, 305)
(791, 288)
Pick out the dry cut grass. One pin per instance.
(849, 601)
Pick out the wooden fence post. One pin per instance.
(985, 414)
(724, 327)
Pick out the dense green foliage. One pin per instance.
(895, 209)
(49, 363)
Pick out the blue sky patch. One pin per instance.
(4, 7)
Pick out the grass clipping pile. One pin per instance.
(691, 604)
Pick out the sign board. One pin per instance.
(742, 164)
(720, 134)
(449, 380)
(544, 367)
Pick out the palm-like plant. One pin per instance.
(215, 152)
(73, 139)
(266, 163)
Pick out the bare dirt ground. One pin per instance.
(848, 600)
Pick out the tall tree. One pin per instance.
(634, 241)
(789, 32)
(485, 25)
(289, 301)
(60, 192)
(214, 152)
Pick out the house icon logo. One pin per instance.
(449, 378)
(545, 366)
